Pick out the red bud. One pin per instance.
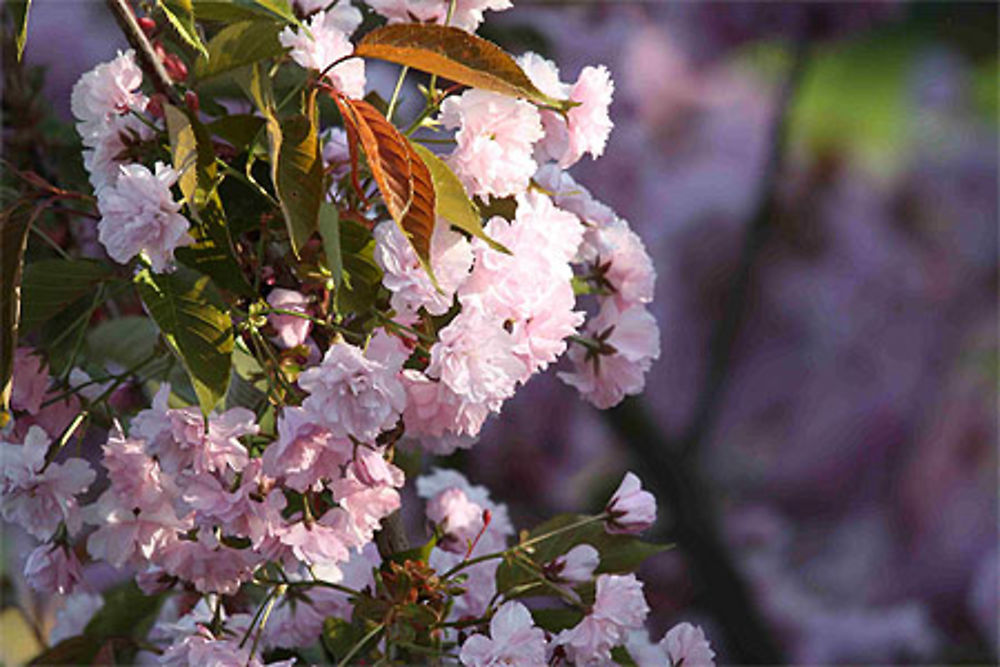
(148, 25)
(191, 100)
(175, 67)
(155, 106)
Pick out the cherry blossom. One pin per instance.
(468, 14)
(619, 606)
(53, 568)
(327, 41)
(686, 645)
(108, 90)
(459, 519)
(139, 215)
(631, 509)
(292, 330)
(513, 640)
(576, 566)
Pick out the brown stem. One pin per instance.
(148, 59)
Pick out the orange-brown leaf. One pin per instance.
(453, 54)
(400, 173)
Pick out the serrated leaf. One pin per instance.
(49, 286)
(329, 231)
(455, 55)
(180, 13)
(401, 175)
(15, 222)
(192, 318)
(619, 553)
(237, 10)
(19, 10)
(237, 45)
(452, 203)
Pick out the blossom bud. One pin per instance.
(575, 566)
(191, 98)
(631, 510)
(155, 106)
(176, 69)
(147, 24)
(460, 519)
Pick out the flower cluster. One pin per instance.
(338, 357)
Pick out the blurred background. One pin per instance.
(817, 186)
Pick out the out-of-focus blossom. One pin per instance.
(619, 606)
(53, 568)
(576, 566)
(30, 381)
(74, 615)
(139, 215)
(513, 640)
(686, 645)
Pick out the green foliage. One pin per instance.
(193, 318)
(362, 276)
(14, 225)
(298, 177)
(19, 10)
(50, 286)
(556, 619)
(238, 45)
(240, 10)
(619, 553)
(180, 14)
(329, 231)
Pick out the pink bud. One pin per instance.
(631, 509)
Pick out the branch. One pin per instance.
(148, 59)
(391, 539)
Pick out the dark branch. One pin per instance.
(148, 59)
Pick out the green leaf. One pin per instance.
(193, 319)
(78, 650)
(298, 177)
(455, 55)
(127, 612)
(14, 225)
(180, 13)
(619, 553)
(329, 231)
(183, 151)
(339, 636)
(556, 619)
(237, 45)
(124, 341)
(239, 10)
(452, 203)
(19, 11)
(238, 129)
(50, 286)
(362, 275)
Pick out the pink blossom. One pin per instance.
(406, 278)
(202, 649)
(135, 476)
(53, 568)
(576, 566)
(38, 500)
(620, 260)
(476, 358)
(139, 215)
(619, 606)
(573, 197)
(459, 519)
(108, 90)
(437, 416)
(107, 150)
(304, 452)
(126, 534)
(513, 640)
(322, 542)
(495, 139)
(327, 41)
(368, 493)
(292, 330)
(631, 509)
(351, 394)
(336, 157)
(686, 645)
(468, 14)
(210, 566)
(30, 381)
(629, 342)
(586, 127)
